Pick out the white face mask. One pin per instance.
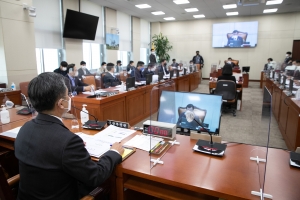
(76, 73)
(83, 67)
(64, 68)
(153, 69)
(287, 55)
(153, 52)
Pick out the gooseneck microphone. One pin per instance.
(211, 142)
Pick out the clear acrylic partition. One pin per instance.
(162, 109)
(259, 153)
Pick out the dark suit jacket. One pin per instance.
(226, 77)
(201, 59)
(152, 58)
(296, 75)
(52, 160)
(60, 72)
(236, 43)
(160, 69)
(81, 73)
(287, 59)
(110, 81)
(79, 85)
(146, 71)
(138, 75)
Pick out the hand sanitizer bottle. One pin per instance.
(13, 86)
(4, 115)
(84, 116)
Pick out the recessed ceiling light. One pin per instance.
(232, 13)
(158, 13)
(229, 6)
(270, 10)
(141, 6)
(181, 1)
(169, 18)
(198, 16)
(274, 2)
(191, 9)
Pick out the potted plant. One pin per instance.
(162, 46)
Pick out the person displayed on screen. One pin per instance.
(227, 73)
(235, 40)
(109, 79)
(83, 70)
(187, 118)
(152, 57)
(150, 69)
(268, 65)
(198, 60)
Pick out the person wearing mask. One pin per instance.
(227, 73)
(152, 56)
(235, 40)
(102, 68)
(187, 118)
(62, 69)
(198, 60)
(76, 84)
(174, 63)
(163, 67)
(138, 72)
(83, 70)
(119, 66)
(180, 66)
(150, 69)
(130, 67)
(288, 58)
(229, 61)
(267, 65)
(109, 79)
(53, 161)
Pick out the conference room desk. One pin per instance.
(14, 96)
(14, 117)
(263, 78)
(239, 86)
(218, 73)
(131, 106)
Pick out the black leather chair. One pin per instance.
(227, 89)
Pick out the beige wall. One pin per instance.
(136, 38)
(111, 22)
(17, 43)
(275, 37)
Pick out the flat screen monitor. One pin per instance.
(184, 71)
(80, 25)
(291, 85)
(177, 73)
(191, 69)
(171, 74)
(283, 80)
(130, 83)
(148, 79)
(235, 35)
(175, 107)
(160, 76)
(246, 69)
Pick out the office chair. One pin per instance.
(90, 80)
(227, 89)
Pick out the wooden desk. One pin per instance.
(262, 79)
(239, 86)
(15, 117)
(189, 175)
(14, 96)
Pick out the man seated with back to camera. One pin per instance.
(109, 79)
(76, 84)
(150, 69)
(227, 74)
(53, 161)
(62, 68)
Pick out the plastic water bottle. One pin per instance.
(298, 94)
(4, 115)
(13, 86)
(84, 116)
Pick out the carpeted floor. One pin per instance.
(248, 126)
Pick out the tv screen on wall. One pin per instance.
(80, 25)
(235, 35)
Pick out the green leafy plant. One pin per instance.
(162, 46)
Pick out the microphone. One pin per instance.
(25, 111)
(91, 124)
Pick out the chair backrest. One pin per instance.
(123, 76)
(24, 88)
(5, 190)
(227, 89)
(90, 80)
(201, 113)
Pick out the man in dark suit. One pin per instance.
(109, 79)
(83, 70)
(76, 84)
(62, 69)
(174, 63)
(150, 69)
(198, 60)
(288, 58)
(163, 67)
(53, 161)
(152, 56)
(130, 66)
(297, 71)
(235, 40)
(138, 72)
(267, 64)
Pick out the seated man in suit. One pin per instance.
(83, 70)
(227, 73)
(150, 69)
(76, 84)
(119, 67)
(102, 69)
(53, 161)
(267, 65)
(163, 67)
(62, 69)
(138, 72)
(130, 66)
(109, 79)
(187, 118)
(235, 40)
(297, 71)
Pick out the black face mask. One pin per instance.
(165, 64)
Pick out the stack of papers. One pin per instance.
(11, 133)
(143, 142)
(95, 148)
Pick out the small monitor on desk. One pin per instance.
(160, 76)
(246, 69)
(130, 83)
(171, 74)
(148, 79)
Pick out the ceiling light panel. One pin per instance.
(270, 10)
(169, 18)
(198, 16)
(274, 2)
(191, 9)
(181, 1)
(158, 13)
(229, 6)
(232, 13)
(142, 6)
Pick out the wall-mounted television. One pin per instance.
(235, 35)
(80, 25)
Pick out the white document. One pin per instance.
(95, 147)
(113, 134)
(92, 93)
(11, 133)
(143, 142)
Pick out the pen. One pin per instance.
(154, 147)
